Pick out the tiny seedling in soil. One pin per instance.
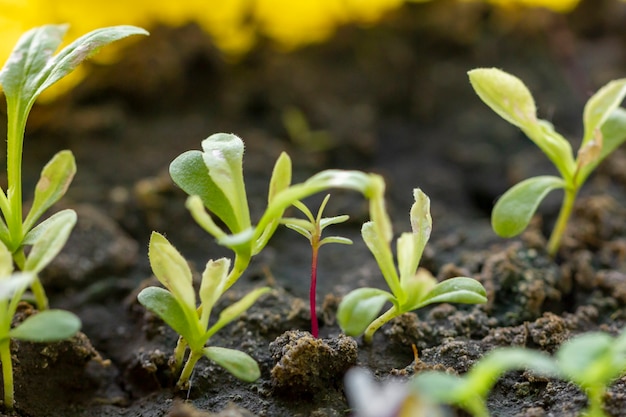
(31, 69)
(176, 306)
(46, 326)
(411, 288)
(604, 125)
(214, 180)
(312, 228)
(470, 391)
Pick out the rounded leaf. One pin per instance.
(461, 290)
(51, 235)
(238, 363)
(47, 326)
(359, 309)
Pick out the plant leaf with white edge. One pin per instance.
(212, 286)
(421, 221)
(34, 234)
(190, 173)
(165, 306)
(238, 363)
(601, 105)
(172, 270)
(54, 181)
(459, 290)
(336, 239)
(514, 210)
(233, 311)
(359, 308)
(327, 221)
(14, 284)
(47, 326)
(51, 240)
(223, 155)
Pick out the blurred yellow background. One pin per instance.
(233, 24)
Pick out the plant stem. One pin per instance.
(188, 369)
(376, 324)
(40, 294)
(179, 354)
(16, 124)
(561, 222)
(596, 396)
(312, 291)
(7, 372)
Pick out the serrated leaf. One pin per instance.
(47, 326)
(55, 178)
(359, 308)
(457, 290)
(239, 364)
(514, 210)
(601, 105)
(212, 286)
(51, 236)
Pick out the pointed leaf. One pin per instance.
(327, 221)
(47, 326)
(359, 309)
(238, 363)
(34, 234)
(165, 306)
(460, 290)
(55, 178)
(514, 210)
(281, 176)
(601, 105)
(336, 239)
(50, 240)
(213, 286)
(233, 311)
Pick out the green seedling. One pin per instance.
(411, 288)
(470, 391)
(604, 130)
(312, 228)
(45, 326)
(214, 180)
(593, 361)
(176, 306)
(31, 69)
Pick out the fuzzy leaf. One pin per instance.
(359, 309)
(455, 290)
(172, 270)
(514, 210)
(238, 363)
(55, 178)
(213, 286)
(50, 239)
(165, 306)
(601, 105)
(47, 326)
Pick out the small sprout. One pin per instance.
(604, 130)
(411, 287)
(31, 69)
(45, 326)
(213, 178)
(470, 391)
(176, 306)
(312, 229)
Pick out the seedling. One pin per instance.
(45, 326)
(312, 229)
(604, 130)
(411, 288)
(176, 306)
(31, 69)
(214, 180)
(470, 391)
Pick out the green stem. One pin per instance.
(16, 125)
(40, 294)
(596, 396)
(561, 222)
(183, 381)
(179, 354)
(376, 324)
(241, 263)
(7, 372)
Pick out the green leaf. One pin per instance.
(233, 311)
(359, 309)
(198, 212)
(281, 176)
(51, 236)
(455, 290)
(191, 174)
(238, 363)
(165, 306)
(438, 387)
(6, 262)
(336, 239)
(327, 221)
(212, 286)
(172, 270)
(601, 105)
(15, 284)
(47, 326)
(506, 94)
(514, 210)
(416, 287)
(55, 178)
(383, 255)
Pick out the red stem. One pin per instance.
(314, 325)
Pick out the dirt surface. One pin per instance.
(392, 99)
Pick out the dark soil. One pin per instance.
(393, 99)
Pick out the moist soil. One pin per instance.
(393, 99)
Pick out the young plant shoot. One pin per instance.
(604, 125)
(312, 228)
(411, 287)
(176, 306)
(214, 180)
(470, 391)
(45, 326)
(31, 69)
